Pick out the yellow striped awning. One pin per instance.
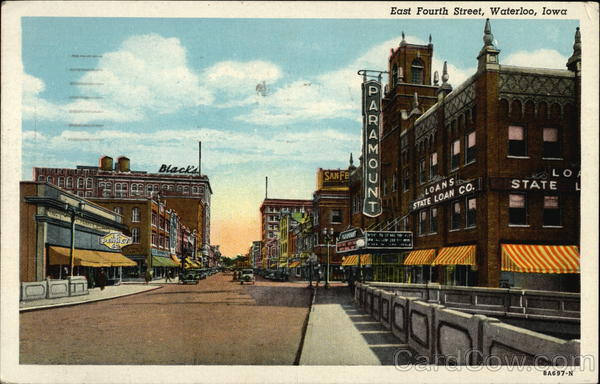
(540, 258)
(273, 265)
(176, 260)
(463, 255)
(282, 265)
(420, 257)
(353, 260)
(294, 264)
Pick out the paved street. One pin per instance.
(215, 322)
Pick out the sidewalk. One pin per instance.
(339, 334)
(95, 294)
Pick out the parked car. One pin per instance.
(247, 276)
(190, 276)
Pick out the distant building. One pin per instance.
(189, 194)
(331, 209)
(270, 212)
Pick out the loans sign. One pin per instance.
(371, 90)
(443, 191)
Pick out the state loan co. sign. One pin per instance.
(371, 91)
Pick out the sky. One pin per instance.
(168, 83)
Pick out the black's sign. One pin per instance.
(453, 190)
(388, 240)
(371, 91)
(171, 169)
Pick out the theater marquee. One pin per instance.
(371, 90)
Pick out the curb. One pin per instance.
(305, 328)
(49, 306)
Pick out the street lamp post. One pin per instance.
(328, 236)
(73, 211)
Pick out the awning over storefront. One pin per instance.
(463, 255)
(282, 265)
(158, 261)
(540, 258)
(176, 260)
(294, 264)
(88, 258)
(420, 257)
(273, 266)
(353, 260)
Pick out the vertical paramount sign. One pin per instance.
(371, 91)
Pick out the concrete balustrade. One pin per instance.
(497, 302)
(386, 309)
(449, 335)
(51, 289)
(376, 307)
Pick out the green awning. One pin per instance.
(158, 261)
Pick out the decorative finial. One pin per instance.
(416, 101)
(445, 76)
(577, 43)
(436, 78)
(403, 41)
(400, 74)
(430, 38)
(488, 38)
(418, 54)
(351, 160)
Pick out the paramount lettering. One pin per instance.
(371, 120)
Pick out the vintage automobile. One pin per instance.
(190, 276)
(246, 276)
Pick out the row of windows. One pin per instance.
(283, 210)
(68, 181)
(160, 241)
(518, 211)
(428, 218)
(517, 142)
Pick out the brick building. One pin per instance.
(331, 212)
(50, 218)
(485, 175)
(189, 194)
(270, 213)
(160, 240)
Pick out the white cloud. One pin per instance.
(237, 78)
(223, 148)
(541, 58)
(147, 75)
(334, 94)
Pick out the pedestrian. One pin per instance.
(168, 276)
(101, 279)
(318, 276)
(148, 275)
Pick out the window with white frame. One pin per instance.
(135, 235)
(517, 209)
(471, 212)
(455, 154)
(517, 143)
(551, 149)
(135, 215)
(471, 150)
(433, 165)
(552, 211)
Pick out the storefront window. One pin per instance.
(517, 209)
(471, 212)
(551, 148)
(471, 151)
(551, 211)
(517, 145)
(455, 154)
(455, 221)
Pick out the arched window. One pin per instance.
(416, 69)
(394, 75)
(69, 182)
